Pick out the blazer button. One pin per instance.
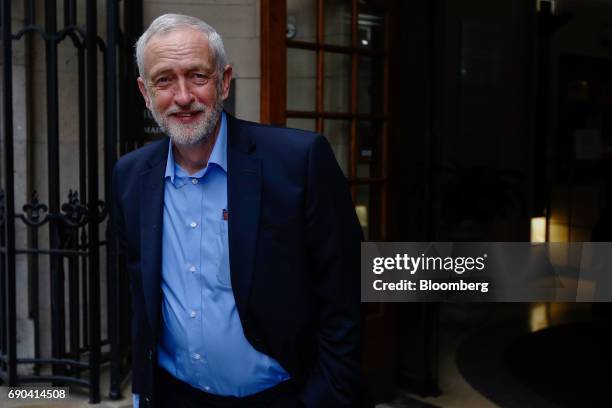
(148, 400)
(150, 355)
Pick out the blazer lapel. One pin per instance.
(243, 198)
(151, 218)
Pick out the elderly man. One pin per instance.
(241, 241)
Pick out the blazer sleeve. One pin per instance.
(118, 226)
(333, 237)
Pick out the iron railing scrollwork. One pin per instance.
(63, 237)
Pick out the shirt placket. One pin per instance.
(212, 250)
(194, 225)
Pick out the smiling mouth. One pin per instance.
(186, 114)
(186, 117)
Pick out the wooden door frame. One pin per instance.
(379, 364)
(273, 88)
(273, 54)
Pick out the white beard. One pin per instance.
(191, 134)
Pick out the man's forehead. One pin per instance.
(178, 38)
(176, 44)
(176, 32)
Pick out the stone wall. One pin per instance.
(21, 129)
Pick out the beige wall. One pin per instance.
(25, 328)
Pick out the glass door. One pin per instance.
(336, 84)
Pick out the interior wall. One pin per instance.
(464, 103)
(577, 205)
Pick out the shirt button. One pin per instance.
(194, 181)
(193, 224)
(192, 268)
(196, 356)
(192, 314)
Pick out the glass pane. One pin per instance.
(367, 206)
(304, 124)
(301, 79)
(337, 82)
(338, 133)
(369, 149)
(370, 28)
(362, 208)
(370, 85)
(302, 20)
(337, 22)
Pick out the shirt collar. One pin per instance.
(218, 156)
(219, 153)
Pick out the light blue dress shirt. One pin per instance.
(202, 341)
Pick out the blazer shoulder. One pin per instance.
(277, 137)
(137, 159)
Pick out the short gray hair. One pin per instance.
(170, 22)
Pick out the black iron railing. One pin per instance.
(63, 235)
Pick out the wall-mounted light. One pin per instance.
(362, 215)
(539, 316)
(538, 229)
(552, 3)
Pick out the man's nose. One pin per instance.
(183, 95)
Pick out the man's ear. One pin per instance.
(227, 79)
(144, 93)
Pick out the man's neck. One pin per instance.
(193, 158)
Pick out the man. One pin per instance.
(241, 241)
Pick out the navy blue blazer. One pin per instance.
(294, 243)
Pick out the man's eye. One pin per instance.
(161, 81)
(200, 78)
